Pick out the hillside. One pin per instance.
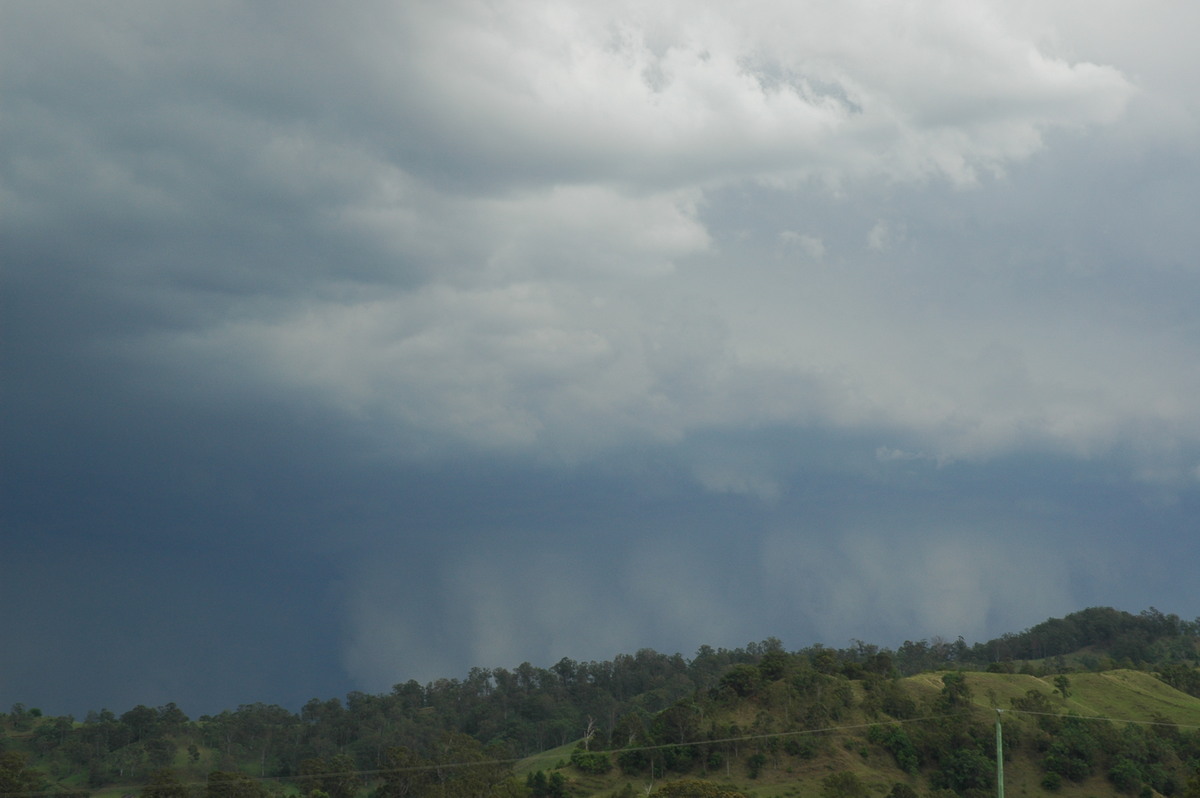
(1123, 722)
(760, 720)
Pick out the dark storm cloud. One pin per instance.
(106, 622)
(347, 346)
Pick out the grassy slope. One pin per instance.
(1131, 695)
(1118, 695)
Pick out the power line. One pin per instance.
(1101, 717)
(657, 747)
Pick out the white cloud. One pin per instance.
(810, 245)
(563, 233)
(884, 235)
(520, 365)
(529, 185)
(674, 95)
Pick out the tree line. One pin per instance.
(647, 713)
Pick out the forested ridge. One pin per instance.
(841, 719)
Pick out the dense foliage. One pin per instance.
(648, 716)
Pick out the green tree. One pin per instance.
(141, 721)
(335, 777)
(773, 666)
(536, 782)
(633, 761)
(955, 691)
(260, 728)
(21, 718)
(171, 717)
(1078, 748)
(1181, 677)
(897, 741)
(160, 751)
(1126, 775)
(16, 776)
(595, 763)
(824, 660)
(406, 774)
(556, 786)
(895, 701)
(742, 679)
(165, 784)
(965, 769)
(843, 784)
(1192, 788)
(230, 784)
(463, 768)
(678, 723)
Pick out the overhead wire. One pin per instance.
(378, 772)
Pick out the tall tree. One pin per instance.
(336, 777)
(16, 777)
(407, 774)
(165, 784)
(228, 784)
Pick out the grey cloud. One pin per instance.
(487, 346)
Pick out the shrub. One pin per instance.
(843, 784)
(594, 763)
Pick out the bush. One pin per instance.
(805, 747)
(843, 785)
(1126, 776)
(963, 770)
(633, 762)
(743, 679)
(594, 763)
(692, 788)
(896, 740)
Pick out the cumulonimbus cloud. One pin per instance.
(538, 176)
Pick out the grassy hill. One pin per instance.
(863, 722)
(1107, 703)
(761, 739)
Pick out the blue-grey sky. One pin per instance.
(347, 344)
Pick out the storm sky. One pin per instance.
(347, 344)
